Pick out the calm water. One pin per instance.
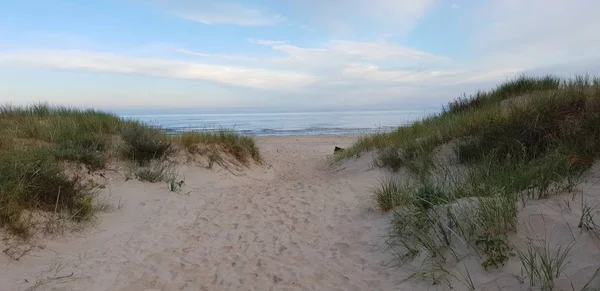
(281, 124)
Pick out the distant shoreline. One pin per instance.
(290, 133)
(284, 124)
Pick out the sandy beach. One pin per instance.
(293, 223)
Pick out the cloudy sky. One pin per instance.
(284, 53)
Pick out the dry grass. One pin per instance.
(36, 141)
(154, 171)
(214, 144)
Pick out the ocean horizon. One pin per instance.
(282, 123)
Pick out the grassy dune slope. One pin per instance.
(37, 144)
(528, 139)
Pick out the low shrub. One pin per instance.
(144, 143)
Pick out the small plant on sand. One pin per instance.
(465, 278)
(174, 184)
(542, 263)
(391, 194)
(214, 157)
(153, 171)
(496, 249)
(390, 157)
(434, 272)
(588, 218)
(429, 195)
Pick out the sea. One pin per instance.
(282, 124)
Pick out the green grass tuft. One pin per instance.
(543, 264)
(90, 150)
(34, 179)
(391, 194)
(144, 143)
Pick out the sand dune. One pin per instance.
(291, 224)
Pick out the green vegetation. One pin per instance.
(391, 194)
(530, 138)
(587, 221)
(40, 145)
(542, 263)
(213, 144)
(36, 141)
(154, 171)
(33, 178)
(144, 144)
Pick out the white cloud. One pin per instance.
(220, 12)
(229, 57)
(381, 51)
(378, 16)
(536, 32)
(106, 62)
(334, 69)
(345, 66)
(398, 76)
(337, 54)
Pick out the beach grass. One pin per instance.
(213, 144)
(41, 145)
(542, 263)
(529, 138)
(144, 143)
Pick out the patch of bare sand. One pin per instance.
(291, 224)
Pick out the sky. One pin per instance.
(284, 53)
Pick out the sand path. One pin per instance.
(294, 226)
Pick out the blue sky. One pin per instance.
(284, 53)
